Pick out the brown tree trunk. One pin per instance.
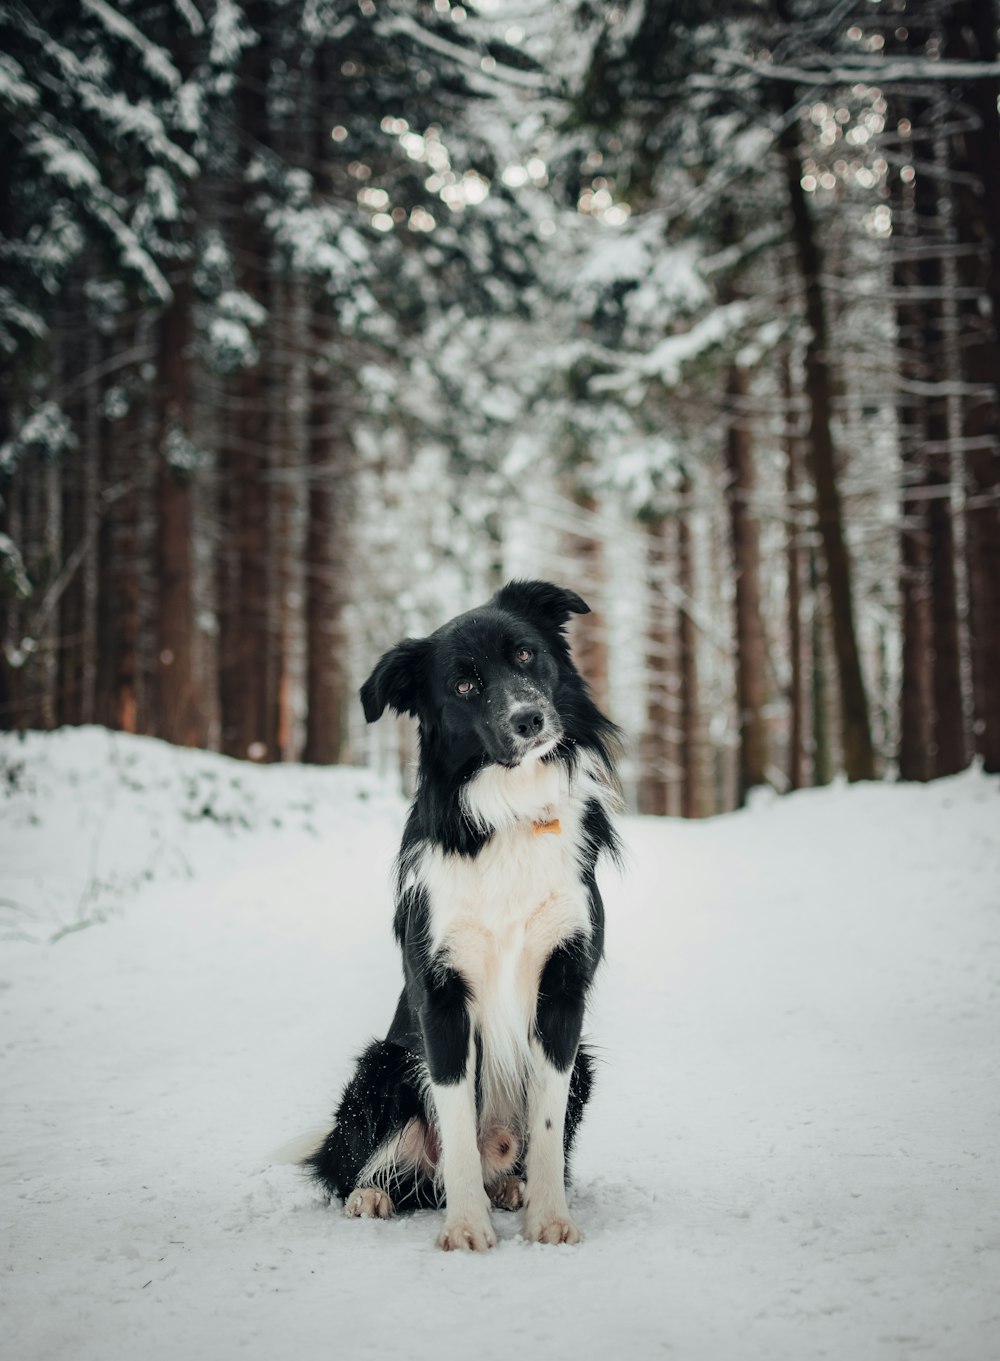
(10, 591)
(971, 35)
(245, 712)
(793, 557)
(329, 458)
(822, 763)
(72, 607)
(949, 729)
(116, 698)
(282, 503)
(859, 756)
(916, 700)
(657, 754)
(983, 522)
(177, 715)
(948, 734)
(751, 649)
(689, 719)
(589, 631)
(916, 690)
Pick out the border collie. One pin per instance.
(475, 1095)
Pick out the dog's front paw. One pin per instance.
(551, 1228)
(468, 1233)
(368, 1202)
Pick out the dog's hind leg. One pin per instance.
(379, 1141)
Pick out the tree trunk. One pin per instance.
(916, 691)
(281, 497)
(793, 557)
(589, 631)
(859, 756)
(244, 657)
(70, 660)
(983, 522)
(931, 187)
(657, 756)
(975, 163)
(116, 699)
(177, 712)
(690, 744)
(916, 700)
(329, 459)
(822, 763)
(751, 648)
(9, 593)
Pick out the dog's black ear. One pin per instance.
(540, 600)
(397, 680)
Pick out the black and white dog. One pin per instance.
(475, 1094)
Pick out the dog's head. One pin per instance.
(491, 685)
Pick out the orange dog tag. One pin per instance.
(539, 827)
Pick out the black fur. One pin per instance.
(429, 1035)
(562, 995)
(444, 1022)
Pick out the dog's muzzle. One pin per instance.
(532, 728)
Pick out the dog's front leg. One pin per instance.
(450, 1046)
(558, 1025)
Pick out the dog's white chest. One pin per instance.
(496, 919)
(502, 914)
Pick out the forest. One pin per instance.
(320, 319)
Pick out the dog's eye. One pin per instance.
(466, 687)
(523, 654)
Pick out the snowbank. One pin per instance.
(792, 1149)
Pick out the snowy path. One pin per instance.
(793, 1150)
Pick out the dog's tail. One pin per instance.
(299, 1150)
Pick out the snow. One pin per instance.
(63, 161)
(12, 572)
(230, 34)
(15, 92)
(667, 358)
(231, 342)
(791, 1152)
(156, 59)
(47, 429)
(665, 280)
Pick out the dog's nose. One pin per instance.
(527, 722)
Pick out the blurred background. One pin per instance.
(319, 319)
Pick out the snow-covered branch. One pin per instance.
(848, 70)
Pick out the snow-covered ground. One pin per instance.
(793, 1150)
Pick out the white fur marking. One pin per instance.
(412, 1152)
(547, 1218)
(467, 1220)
